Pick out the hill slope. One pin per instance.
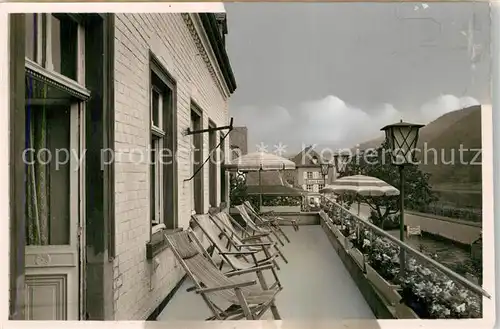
(446, 135)
(444, 158)
(431, 130)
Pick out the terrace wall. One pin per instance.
(138, 289)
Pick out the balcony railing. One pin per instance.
(423, 278)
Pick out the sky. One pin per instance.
(333, 74)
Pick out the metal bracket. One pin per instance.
(230, 127)
(188, 131)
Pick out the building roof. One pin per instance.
(307, 157)
(210, 24)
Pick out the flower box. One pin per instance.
(385, 288)
(342, 240)
(358, 256)
(337, 232)
(293, 209)
(405, 312)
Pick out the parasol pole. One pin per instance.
(260, 189)
(359, 201)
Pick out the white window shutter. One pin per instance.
(305, 174)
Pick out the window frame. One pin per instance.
(198, 179)
(213, 167)
(162, 83)
(223, 174)
(42, 48)
(309, 175)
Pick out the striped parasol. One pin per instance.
(361, 185)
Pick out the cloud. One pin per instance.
(333, 122)
(444, 104)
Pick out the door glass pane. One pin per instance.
(48, 171)
(64, 46)
(30, 36)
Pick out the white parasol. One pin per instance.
(260, 161)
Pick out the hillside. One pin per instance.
(431, 130)
(444, 160)
(446, 134)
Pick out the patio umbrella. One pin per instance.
(261, 161)
(361, 185)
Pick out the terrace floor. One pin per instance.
(316, 285)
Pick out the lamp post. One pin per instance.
(325, 167)
(340, 162)
(402, 140)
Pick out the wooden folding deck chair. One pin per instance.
(261, 228)
(270, 217)
(231, 257)
(248, 301)
(226, 223)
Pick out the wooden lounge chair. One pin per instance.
(248, 300)
(263, 227)
(252, 229)
(270, 216)
(225, 223)
(231, 257)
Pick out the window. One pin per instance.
(157, 138)
(52, 41)
(320, 186)
(309, 188)
(197, 159)
(163, 167)
(309, 175)
(223, 176)
(214, 160)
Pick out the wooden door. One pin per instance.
(53, 212)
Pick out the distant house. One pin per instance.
(308, 175)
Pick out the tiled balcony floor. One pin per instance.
(316, 285)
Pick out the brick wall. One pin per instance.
(138, 289)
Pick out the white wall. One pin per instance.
(137, 289)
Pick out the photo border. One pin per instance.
(488, 116)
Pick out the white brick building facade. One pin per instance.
(138, 288)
